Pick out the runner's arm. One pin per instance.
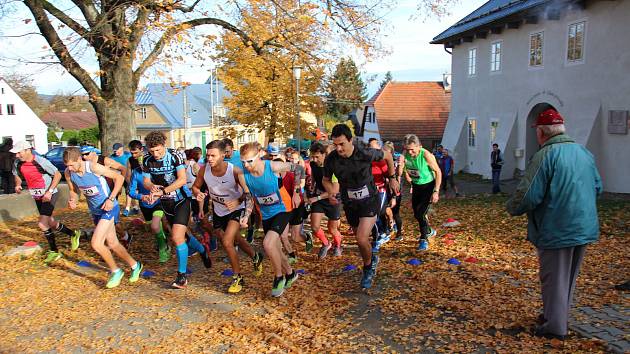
(298, 171)
(115, 165)
(133, 189)
(73, 196)
(249, 200)
(179, 182)
(198, 184)
(433, 165)
(118, 179)
(55, 181)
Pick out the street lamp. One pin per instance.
(297, 71)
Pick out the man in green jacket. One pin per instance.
(558, 193)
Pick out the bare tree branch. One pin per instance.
(65, 19)
(60, 50)
(89, 11)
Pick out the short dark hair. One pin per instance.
(217, 144)
(495, 144)
(155, 138)
(135, 145)
(228, 142)
(341, 129)
(318, 147)
(372, 139)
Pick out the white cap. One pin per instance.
(21, 145)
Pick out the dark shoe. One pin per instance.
(180, 282)
(542, 333)
(207, 262)
(623, 287)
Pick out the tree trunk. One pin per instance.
(115, 110)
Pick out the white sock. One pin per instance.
(133, 267)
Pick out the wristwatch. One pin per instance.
(111, 199)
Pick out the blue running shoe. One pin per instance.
(424, 245)
(431, 234)
(368, 277)
(125, 212)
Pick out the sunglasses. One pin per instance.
(85, 154)
(250, 161)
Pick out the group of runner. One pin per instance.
(227, 191)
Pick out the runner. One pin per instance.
(425, 175)
(42, 178)
(320, 205)
(122, 157)
(299, 214)
(165, 176)
(380, 172)
(395, 200)
(89, 178)
(353, 167)
(259, 178)
(230, 208)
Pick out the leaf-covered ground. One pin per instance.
(435, 306)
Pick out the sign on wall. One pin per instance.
(618, 122)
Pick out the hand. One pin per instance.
(72, 204)
(201, 196)
(156, 195)
(333, 199)
(232, 204)
(147, 199)
(156, 188)
(201, 215)
(392, 202)
(243, 222)
(18, 189)
(108, 205)
(394, 186)
(435, 197)
(297, 200)
(47, 196)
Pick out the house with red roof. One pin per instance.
(71, 120)
(400, 108)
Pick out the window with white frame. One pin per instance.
(495, 56)
(575, 45)
(240, 139)
(494, 125)
(472, 61)
(142, 112)
(472, 132)
(10, 109)
(536, 49)
(30, 139)
(252, 137)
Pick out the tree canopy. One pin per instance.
(345, 90)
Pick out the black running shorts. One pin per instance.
(177, 212)
(277, 223)
(332, 212)
(221, 222)
(361, 209)
(46, 208)
(298, 215)
(147, 213)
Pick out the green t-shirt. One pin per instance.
(418, 168)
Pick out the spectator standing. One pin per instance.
(7, 159)
(558, 193)
(496, 162)
(447, 165)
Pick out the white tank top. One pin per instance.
(190, 175)
(222, 188)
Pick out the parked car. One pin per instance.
(55, 156)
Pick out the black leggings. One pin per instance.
(421, 201)
(396, 212)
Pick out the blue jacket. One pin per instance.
(137, 190)
(558, 193)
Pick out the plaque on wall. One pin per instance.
(618, 122)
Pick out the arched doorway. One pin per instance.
(531, 143)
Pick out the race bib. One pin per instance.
(359, 193)
(270, 199)
(37, 193)
(91, 191)
(169, 196)
(218, 198)
(413, 173)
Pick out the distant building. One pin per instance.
(162, 107)
(402, 108)
(71, 120)
(513, 59)
(19, 122)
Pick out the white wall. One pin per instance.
(24, 122)
(583, 93)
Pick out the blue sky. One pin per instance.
(412, 58)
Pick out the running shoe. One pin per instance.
(237, 284)
(258, 263)
(309, 241)
(423, 245)
(368, 277)
(292, 259)
(74, 240)
(127, 241)
(393, 231)
(207, 261)
(135, 211)
(125, 212)
(213, 244)
(180, 282)
(323, 251)
(165, 254)
(135, 273)
(114, 279)
(278, 287)
(52, 256)
(383, 239)
(290, 279)
(337, 252)
(431, 234)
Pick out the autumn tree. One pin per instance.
(126, 38)
(23, 86)
(345, 90)
(388, 77)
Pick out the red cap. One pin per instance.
(549, 117)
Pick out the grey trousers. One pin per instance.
(558, 270)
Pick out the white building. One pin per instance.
(513, 59)
(19, 122)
